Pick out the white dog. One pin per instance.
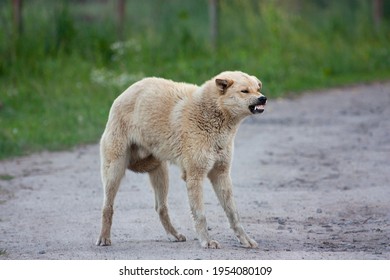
(156, 121)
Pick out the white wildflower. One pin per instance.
(106, 77)
(120, 48)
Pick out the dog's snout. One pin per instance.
(262, 100)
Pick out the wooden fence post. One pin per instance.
(377, 12)
(214, 23)
(121, 18)
(17, 15)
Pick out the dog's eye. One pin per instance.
(245, 91)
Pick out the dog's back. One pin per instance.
(149, 112)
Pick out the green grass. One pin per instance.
(6, 177)
(60, 76)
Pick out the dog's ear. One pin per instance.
(258, 82)
(223, 84)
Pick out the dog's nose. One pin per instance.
(262, 100)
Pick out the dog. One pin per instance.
(157, 121)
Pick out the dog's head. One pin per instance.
(240, 93)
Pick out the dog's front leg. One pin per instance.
(195, 196)
(222, 184)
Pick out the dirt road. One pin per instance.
(311, 176)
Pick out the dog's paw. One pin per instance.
(249, 243)
(103, 241)
(211, 244)
(180, 238)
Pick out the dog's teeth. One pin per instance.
(259, 108)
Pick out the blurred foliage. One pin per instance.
(60, 75)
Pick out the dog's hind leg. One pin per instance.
(159, 180)
(113, 167)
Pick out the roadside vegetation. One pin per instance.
(59, 76)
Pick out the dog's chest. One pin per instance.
(222, 145)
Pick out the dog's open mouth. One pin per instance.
(259, 106)
(257, 109)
